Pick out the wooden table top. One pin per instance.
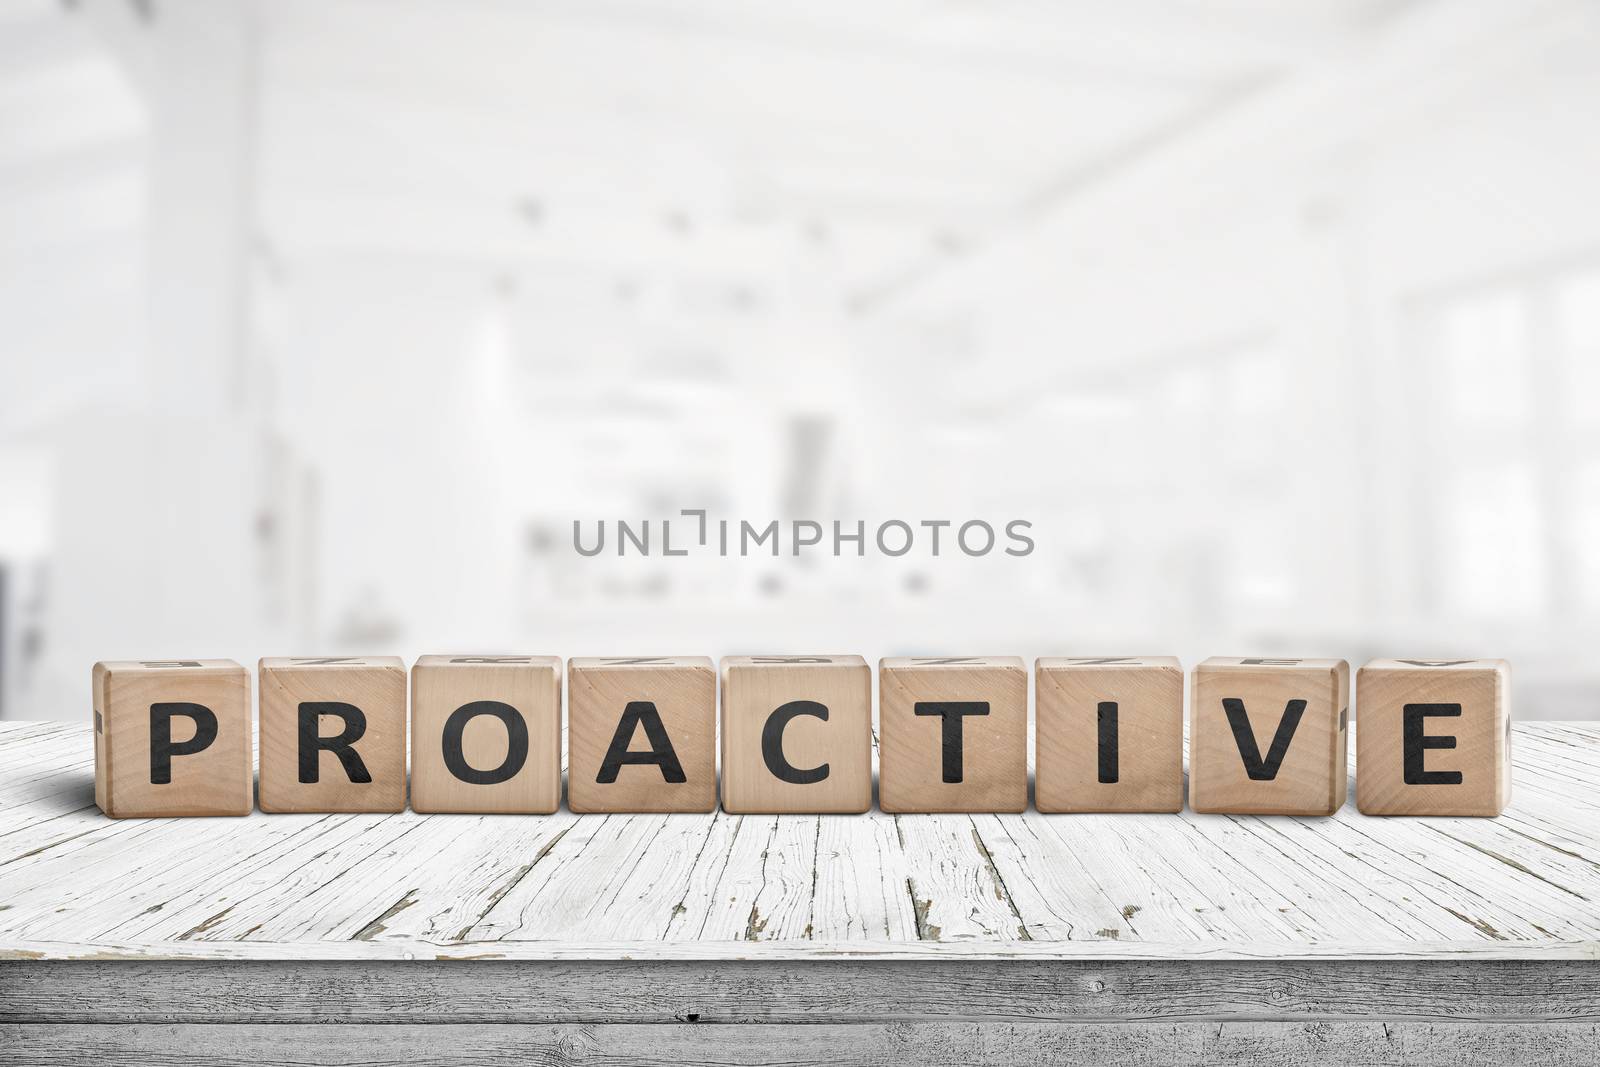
(76, 885)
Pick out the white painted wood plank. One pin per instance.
(861, 891)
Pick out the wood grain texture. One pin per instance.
(969, 762)
(1145, 698)
(530, 686)
(376, 687)
(131, 697)
(753, 688)
(1243, 710)
(679, 693)
(1461, 710)
(981, 886)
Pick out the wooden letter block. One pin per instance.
(1269, 736)
(796, 734)
(333, 733)
(641, 734)
(486, 734)
(1109, 734)
(1433, 737)
(172, 737)
(953, 734)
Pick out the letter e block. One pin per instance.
(796, 734)
(641, 734)
(1110, 734)
(333, 733)
(486, 734)
(172, 737)
(1433, 737)
(1269, 736)
(953, 734)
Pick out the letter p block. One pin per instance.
(796, 734)
(172, 737)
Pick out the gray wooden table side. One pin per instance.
(377, 939)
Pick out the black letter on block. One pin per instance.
(660, 752)
(161, 747)
(1258, 769)
(1108, 742)
(312, 743)
(1417, 742)
(516, 742)
(951, 712)
(772, 743)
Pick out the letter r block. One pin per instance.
(1433, 737)
(796, 734)
(1269, 736)
(333, 733)
(953, 734)
(641, 734)
(1110, 734)
(172, 737)
(486, 734)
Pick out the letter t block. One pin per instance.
(953, 734)
(1433, 737)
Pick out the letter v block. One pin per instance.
(172, 737)
(1269, 736)
(953, 734)
(796, 734)
(1433, 737)
(486, 734)
(333, 733)
(641, 734)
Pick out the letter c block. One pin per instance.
(172, 737)
(796, 734)
(333, 733)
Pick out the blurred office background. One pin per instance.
(322, 320)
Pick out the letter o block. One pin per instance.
(641, 734)
(486, 734)
(952, 734)
(1269, 736)
(333, 733)
(172, 737)
(796, 734)
(1433, 737)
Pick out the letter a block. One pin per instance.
(953, 734)
(172, 737)
(486, 734)
(1110, 734)
(1433, 737)
(796, 734)
(1269, 736)
(641, 734)
(333, 734)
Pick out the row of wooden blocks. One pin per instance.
(1267, 736)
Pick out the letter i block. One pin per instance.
(172, 737)
(1433, 737)
(796, 734)
(333, 734)
(486, 734)
(641, 734)
(953, 734)
(1110, 734)
(1269, 736)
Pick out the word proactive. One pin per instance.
(1267, 736)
